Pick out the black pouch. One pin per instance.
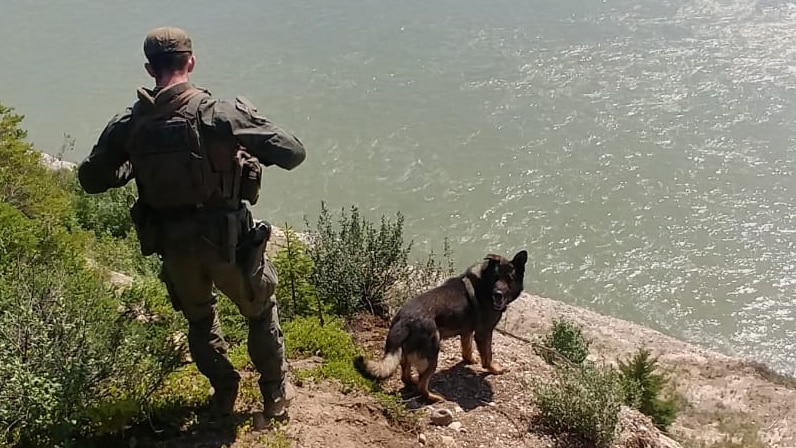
(145, 228)
(163, 277)
(251, 175)
(252, 246)
(229, 236)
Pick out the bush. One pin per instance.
(355, 265)
(106, 213)
(68, 352)
(565, 340)
(73, 365)
(643, 389)
(24, 183)
(583, 401)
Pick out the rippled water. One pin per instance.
(641, 151)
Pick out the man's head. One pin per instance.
(169, 53)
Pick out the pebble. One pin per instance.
(456, 426)
(422, 438)
(441, 417)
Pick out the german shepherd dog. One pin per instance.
(468, 305)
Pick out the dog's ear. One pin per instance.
(493, 261)
(493, 258)
(520, 259)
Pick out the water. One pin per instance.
(643, 152)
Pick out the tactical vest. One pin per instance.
(175, 169)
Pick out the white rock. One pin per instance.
(456, 426)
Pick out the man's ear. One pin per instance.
(191, 63)
(149, 69)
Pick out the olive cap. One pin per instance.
(167, 39)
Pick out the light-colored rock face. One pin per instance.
(724, 394)
(54, 163)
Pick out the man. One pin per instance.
(195, 159)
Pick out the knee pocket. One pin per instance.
(264, 281)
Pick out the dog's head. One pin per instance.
(504, 278)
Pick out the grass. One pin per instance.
(397, 413)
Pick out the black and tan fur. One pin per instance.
(468, 305)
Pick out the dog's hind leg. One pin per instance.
(484, 342)
(406, 371)
(425, 377)
(467, 348)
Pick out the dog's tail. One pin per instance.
(379, 370)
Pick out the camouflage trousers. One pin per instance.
(189, 272)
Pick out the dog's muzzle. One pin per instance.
(499, 301)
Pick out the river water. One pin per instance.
(641, 151)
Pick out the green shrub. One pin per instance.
(564, 340)
(73, 365)
(355, 264)
(644, 387)
(68, 352)
(583, 401)
(122, 255)
(26, 184)
(106, 213)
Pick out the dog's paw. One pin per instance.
(496, 369)
(469, 360)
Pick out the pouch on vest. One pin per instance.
(223, 230)
(145, 228)
(250, 176)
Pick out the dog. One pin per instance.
(469, 306)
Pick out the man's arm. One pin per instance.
(108, 165)
(262, 139)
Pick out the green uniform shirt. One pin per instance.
(108, 165)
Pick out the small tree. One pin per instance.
(644, 388)
(294, 292)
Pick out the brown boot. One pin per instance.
(277, 408)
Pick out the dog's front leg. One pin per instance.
(467, 348)
(484, 342)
